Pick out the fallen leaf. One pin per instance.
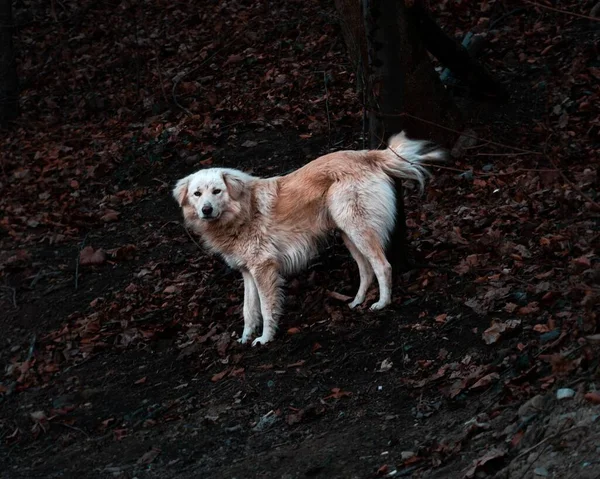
(124, 252)
(148, 457)
(491, 455)
(493, 333)
(582, 261)
(386, 365)
(485, 381)
(383, 470)
(89, 256)
(529, 309)
(141, 380)
(510, 307)
(593, 397)
(119, 434)
(223, 344)
(293, 330)
(236, 58)
(337, 393)
(297, 364)
(295, 417)
(541, 328)
(110, 215)
(217, 377)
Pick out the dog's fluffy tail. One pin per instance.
(404, 158)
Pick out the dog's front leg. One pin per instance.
(268, 282)
(251, 307)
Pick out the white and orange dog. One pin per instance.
(271, 227)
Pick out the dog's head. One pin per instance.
(212, 194)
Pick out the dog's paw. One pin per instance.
(355, 303)
(262, 340)
(379, 305)
(243, 340)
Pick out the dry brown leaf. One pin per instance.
(338, 296)
(217, 377)
(89, 256)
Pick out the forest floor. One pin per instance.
(118, 349)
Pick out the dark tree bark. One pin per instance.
(9, 103)
(402, 85)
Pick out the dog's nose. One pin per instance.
(207, 210)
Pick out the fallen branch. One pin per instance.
(486, 142)
(191, 237)
(577, 188)
(178, 79)
(564, 12)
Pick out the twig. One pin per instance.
(191, 237)
(505, 16)
(162, 83)
(549, 438)
(75, 428)
(596, 204)
(31, 348)
(77, 262)
(531, 463)
(564, 12)
(487, 142)
(500, 154)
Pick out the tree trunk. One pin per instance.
(9, 103)
(402, 86)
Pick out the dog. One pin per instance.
(271, 227)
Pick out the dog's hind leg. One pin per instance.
(268, 283)
(251, 307)
(372, 249)
(364, 270)
(365, 211)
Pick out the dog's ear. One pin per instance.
(235, 185)
(181, 190)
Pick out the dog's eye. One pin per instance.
(197, 193)
(217, 191)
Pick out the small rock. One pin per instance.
(487, 168)
(249, 144)
(404, 455)
(565, 393)
(541, 471)
(467, 175)
(532, 406)
(549, 336)
(265, 422)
